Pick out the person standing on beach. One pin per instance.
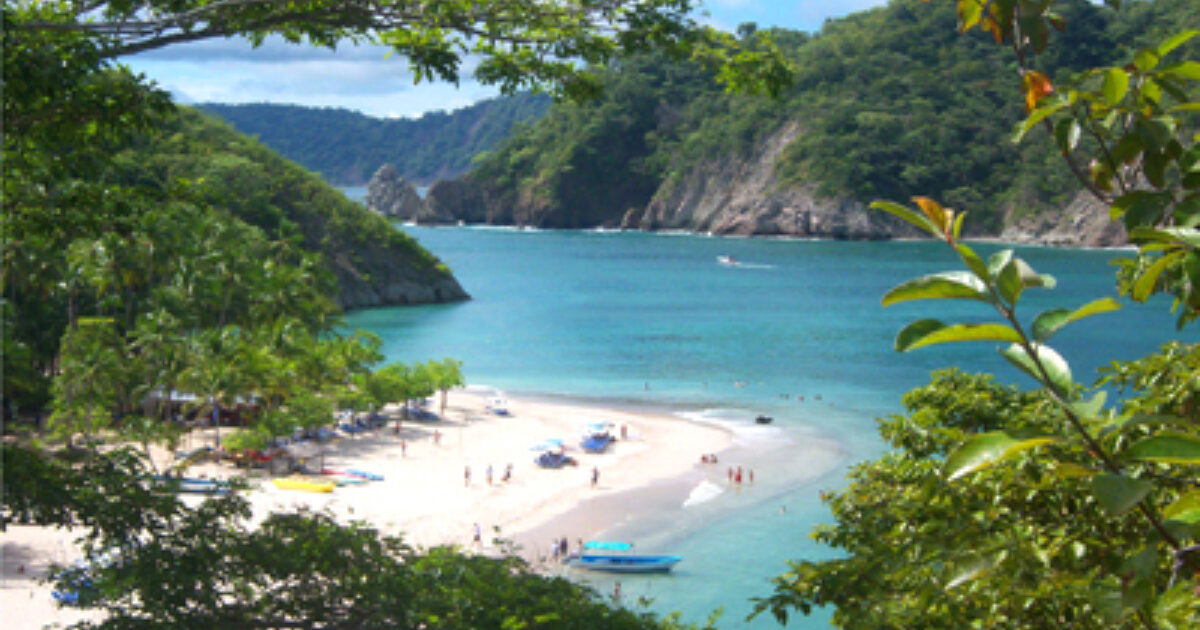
(403, 448)
(467, 476)
(489, 474)
(508, 473)
(437, 437)
(478, 539)
(595, 476)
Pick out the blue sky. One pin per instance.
(367, 80)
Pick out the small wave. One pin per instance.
(704, 492)
(739, 422)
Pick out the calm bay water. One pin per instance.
(795, 332)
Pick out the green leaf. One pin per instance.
(1188, 70)
(1175, 41)
(1149, 279)
(997, 261)
(1115, 86)
(915, 218)
(1185, 509)
(1166, 448)
(1055, 366)
(1069, 470)
(985, 450)
(1008, 282)
(1182, 235)
(972, 260)
(1047, 323)
(927, 332)
(1139, 420)
(1090, 408)
(1035, 117)
(1117, 493)
(1066, 133)
(946, 285)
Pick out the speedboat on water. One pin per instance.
(728, 261)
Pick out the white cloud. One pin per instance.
(366, 79)
(363, 78)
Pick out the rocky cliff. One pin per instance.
(744, 196)
(1083, 223)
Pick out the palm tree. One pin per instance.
(213, 373)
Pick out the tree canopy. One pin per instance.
(889, 103)
(149, 250)
(1054, 506)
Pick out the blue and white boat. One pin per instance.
(615, 557)
(623, 563)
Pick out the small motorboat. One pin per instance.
(764, 420)
(623, 563)
(728, 261)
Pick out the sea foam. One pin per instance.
(704, 492)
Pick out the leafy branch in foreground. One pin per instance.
(1128, 134)
(999, 283)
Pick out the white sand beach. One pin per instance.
(425, 495)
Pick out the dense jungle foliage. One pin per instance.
(193, 210)
(347, 147)
(890, 103)
(147, 250)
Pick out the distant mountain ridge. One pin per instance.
(347, 147)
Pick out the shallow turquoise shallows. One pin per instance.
(794, 331)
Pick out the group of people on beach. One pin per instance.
(490, 473)
(735, 475)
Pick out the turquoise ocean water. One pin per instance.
(653, 320)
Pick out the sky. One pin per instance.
(367, 80)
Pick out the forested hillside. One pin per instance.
(888, 103)
(374, 263)
(348, 147)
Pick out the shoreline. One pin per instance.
(426, 498)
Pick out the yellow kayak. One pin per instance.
(302, 483)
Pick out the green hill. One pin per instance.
(373, 262)
(348, 147)
(888, 103)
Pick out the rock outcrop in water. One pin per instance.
(389, 194)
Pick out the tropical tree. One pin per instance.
(86, 393)
(445, 375)
(214, 375)
(1051, 507)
